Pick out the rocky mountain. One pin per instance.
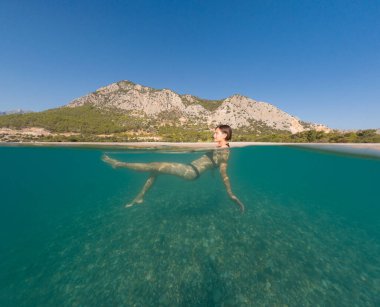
(237, 110)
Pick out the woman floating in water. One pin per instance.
(212, 159)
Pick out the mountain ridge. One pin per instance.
(239, 111)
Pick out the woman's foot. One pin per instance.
(135, 201)
(114, 163)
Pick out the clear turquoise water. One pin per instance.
(310, 234)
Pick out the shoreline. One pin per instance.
(187, 144)
(361, 149)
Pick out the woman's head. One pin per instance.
(223, 132)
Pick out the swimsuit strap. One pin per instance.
(195, 169)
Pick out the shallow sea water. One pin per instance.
(310, 234)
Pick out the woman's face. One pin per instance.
(219, 135)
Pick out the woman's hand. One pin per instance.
(240, 204)
(226, 180)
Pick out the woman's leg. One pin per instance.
(178, 169)
(140, 197)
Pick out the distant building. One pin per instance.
(17, 111)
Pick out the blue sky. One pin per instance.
(317, 60)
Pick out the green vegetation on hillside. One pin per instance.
(95, 125)
(310, 136)
(84, 119)
(208, 104)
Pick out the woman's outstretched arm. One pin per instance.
(226, 180)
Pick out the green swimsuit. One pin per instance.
(209, 154)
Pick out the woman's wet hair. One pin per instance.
(227, 130)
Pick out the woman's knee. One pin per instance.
(192, 175)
